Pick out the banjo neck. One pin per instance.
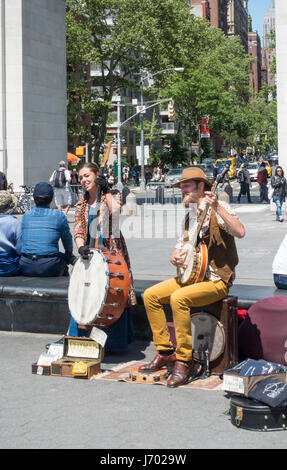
(203, 214)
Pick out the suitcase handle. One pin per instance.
(239, 416)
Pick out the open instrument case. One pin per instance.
(81, 358)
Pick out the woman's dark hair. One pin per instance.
(91, 166)
(279, 168)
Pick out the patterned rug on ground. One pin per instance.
(128, 373)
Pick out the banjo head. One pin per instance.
(207, 331)
(88, 288)
(190, 260)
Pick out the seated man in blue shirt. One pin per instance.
(10, 236)
(42, 229)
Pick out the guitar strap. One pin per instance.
(186, 228)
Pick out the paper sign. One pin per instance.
(56, 350)
(99, 336)
(233, 384)
(82, 348)
(46, 359)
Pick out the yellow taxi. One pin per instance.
(268, 168)
(222, 162)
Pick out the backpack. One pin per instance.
(59, 179)
(3, 182)
(241, 176)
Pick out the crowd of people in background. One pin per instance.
(132, 174)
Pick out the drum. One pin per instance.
(207, 334)
(99, 288)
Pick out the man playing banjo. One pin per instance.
(216, 233)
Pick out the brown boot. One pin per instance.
(182, 372)
(158, 363)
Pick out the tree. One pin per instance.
(271, 38)
(264, 120)
(109, 35)
(215, 83)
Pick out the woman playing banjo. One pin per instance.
(97, 225)
(216, 233)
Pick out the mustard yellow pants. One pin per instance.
(181, 299)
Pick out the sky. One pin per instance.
(257, 10)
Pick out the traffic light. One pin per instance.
(81, 151)
(171, 111)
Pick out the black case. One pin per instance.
(256, 416)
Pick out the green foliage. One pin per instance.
(122, 37)
(271, 38)
(108, 34)
(216, 83)
(264, 116)
(176, 153)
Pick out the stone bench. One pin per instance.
(40, 305)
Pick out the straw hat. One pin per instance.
(8, 202)
(192, 173)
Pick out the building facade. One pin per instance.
(254, 49)
(218, 14)
(268, 53)
(33, 108)
(237, 20)
(200, 8)
(122, 109)
(268, 24)
(267, 59)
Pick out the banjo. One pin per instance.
(196, 256)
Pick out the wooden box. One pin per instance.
(81, 358)
(65, 367)
(41, 370)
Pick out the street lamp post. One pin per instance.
(120, 124)
(142, 185)
(142, 78)
(119, 184)
(141, 113)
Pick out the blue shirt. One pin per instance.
(93, 230)
(42, 228)
(10, 235)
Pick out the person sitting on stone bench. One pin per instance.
(217, 231)
(10, 236)
(42, 229)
